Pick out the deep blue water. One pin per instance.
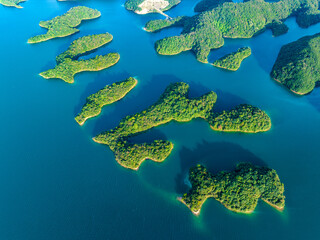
(57, 184)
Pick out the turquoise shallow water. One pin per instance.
(56, 183)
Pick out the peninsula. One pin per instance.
(233, 60)
(238, 190)
(207, 30)
(150, 6)
(66, 24)
(174, 105)
(107, 95)
(298, 65)
(12, 3)
(68, 65)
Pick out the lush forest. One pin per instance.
(233, 60)
(298, 65)
(238, 190)
(207, 30)
(174, 105)
(66, 24)
(107, 95)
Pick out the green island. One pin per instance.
(68, 65)
(243, 118)
(173, 105)
(206, 5)
(298, 65)
(150, 6)
(107, 95)
(233, 60)
(207, 30)
(238, 190)
(66, 24)
(12, 3)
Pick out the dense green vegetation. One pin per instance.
(207, 30)
(298, 65)
(68, 68)
(68, 65)
(278, 28)
(233, 60)
(238, 190)
(243, 118)
(66, 24)
(133, 5)
(156, 25)
(107, 95)
(84, 45)
(12, 3)
(206, 5)
(174, 105)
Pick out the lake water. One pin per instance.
(56, 183)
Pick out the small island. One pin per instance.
(107, 95)
(68, 65)
(243, 118)
(150, 6)
(208, 29)
(238, 190)
(298, 65)
(12, 3)
(233, 60)
(66, 24)
(174, 105)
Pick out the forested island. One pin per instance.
(107, 95)
(12, 3)
(238, 190)
(298, 65)
(149, 6)
(233, 60)
(207, 30)
(68, 65)
(66, 24)
(174, 105)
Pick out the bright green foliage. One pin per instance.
(206, 5)
(238, 190)
(68, 65)
(84, 45)
(156, 25)
(107, 95)
(233, 61)
(207, 30)
(66, 24)
(12, 3)
(133, 5)
(298, 65)
(173, 105)
(68, 68)
(243, 118)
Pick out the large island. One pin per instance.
(207, 30)
(68, 64)
(298, 65)
(174, 105)
(238, 190)
(66, 24)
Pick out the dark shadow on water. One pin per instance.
(227, 101)
(314, 98)
(216, 156)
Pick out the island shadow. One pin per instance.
(314, 98)
(215, 156)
